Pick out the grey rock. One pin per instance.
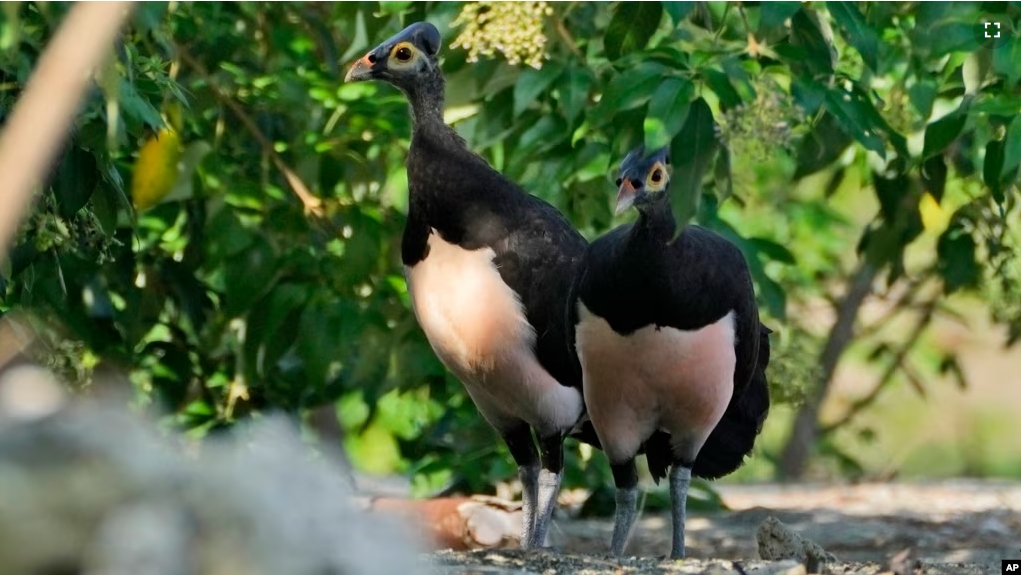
(776, 542)
(96, 490)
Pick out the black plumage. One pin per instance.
(648, 286)
(483, 256)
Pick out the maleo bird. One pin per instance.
(672, 352)
(489, 269)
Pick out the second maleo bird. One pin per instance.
(671, 348)
(488, 268)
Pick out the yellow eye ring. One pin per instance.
(403, 52)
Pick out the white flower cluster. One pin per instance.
(515, 29)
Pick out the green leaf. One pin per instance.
(957, 264)
(632, 25)
(723, 176)
(941, 133)
(75, 181)
(809, 94)
(361, 250)
(739, 79)
(542, 134)
(148, 15)
(416, 362)
(186, 166)
(997, 105)
(944, 27)
(890, 192)
(774, 14)
(992, 168)
(678, 10)
(772, 250)
(574, 88)
(10, 26)
(319, 343)
(922, 95)
(227, 235)
(533, 82)
(670, 104)
(805, 34)
(249, 275)
(720, 84)
(856, 31)
(692, 152)
(858, 116)
(630, 89)
(950, 364)
(934, 176)
(655, 135)
(393, 7)
(821, 147)
(1012, 148)
(772, 293)
(273, 326)
(137, 108)
(1007, 60)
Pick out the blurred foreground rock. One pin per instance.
(92, 489)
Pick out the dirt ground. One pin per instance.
(952, 528)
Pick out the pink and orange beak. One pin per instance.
(625, 196)
(361, 70)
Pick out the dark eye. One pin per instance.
(403, 54)
(620, 181)
(657, 176)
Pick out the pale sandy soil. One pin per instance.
(954, 527)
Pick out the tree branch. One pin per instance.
(565, 35)
(313, 205)
(904, 302)
(39, 123)
(898, 362)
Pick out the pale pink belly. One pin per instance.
(678, 381)
(477, 327)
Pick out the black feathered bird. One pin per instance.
(489, 269)
(672, 352)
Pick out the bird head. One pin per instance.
(401, 60)
(643, 180)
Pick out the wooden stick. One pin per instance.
(39, 123)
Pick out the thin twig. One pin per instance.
(565, 34)
(39, 123)
(313, 205)
(896, 364)
(904, 302)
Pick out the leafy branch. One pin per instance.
(313, 205)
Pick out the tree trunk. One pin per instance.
(805, 430)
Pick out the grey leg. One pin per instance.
(529, 475)
(522, 448)
(625, 477)
(680, 479)
(551, 453)
(549, 488)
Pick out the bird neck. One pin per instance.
(426, 98)
(656, 222)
